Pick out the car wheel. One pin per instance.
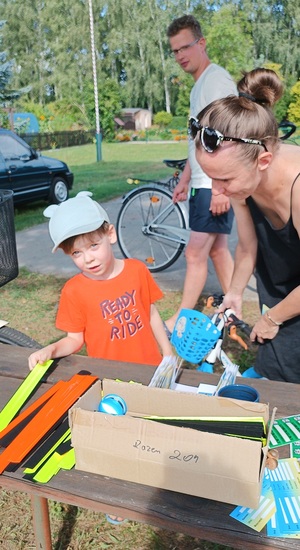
(59, 191)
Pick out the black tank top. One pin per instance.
(277, 273)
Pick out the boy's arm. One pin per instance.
(159, 332)
(66, 346)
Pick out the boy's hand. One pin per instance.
(40, 356)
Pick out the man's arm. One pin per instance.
(181, 190)
(219, 204)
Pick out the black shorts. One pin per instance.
(200, 217)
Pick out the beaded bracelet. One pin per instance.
(272, 320)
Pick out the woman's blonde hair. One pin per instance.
(248, 115)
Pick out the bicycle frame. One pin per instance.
(156, 228)
(150, 227)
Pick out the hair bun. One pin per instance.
(263, 85)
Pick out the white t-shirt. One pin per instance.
(214, 83)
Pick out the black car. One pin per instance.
(30, 175)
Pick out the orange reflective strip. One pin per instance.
(45, 419)
(38, 403)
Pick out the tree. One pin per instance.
(294, 107)
(184, 83)
(50, 42)
(25, 37)
(6, 95)
(275, 28)
(6, 69)
(229, 41)
(109, 105)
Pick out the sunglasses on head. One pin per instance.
(211, 138)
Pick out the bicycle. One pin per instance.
(228, 324)
(158, 227)
(286, 130)
(9, 269)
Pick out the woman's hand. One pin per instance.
(232, 301)
(263, 330)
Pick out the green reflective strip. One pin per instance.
(55, 463)
(22, 393)
(63, 438)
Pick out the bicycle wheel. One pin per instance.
(151, 228)
(15, 338)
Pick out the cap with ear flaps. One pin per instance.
(75, 216)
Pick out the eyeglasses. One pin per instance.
(211, 138)
(185, 48)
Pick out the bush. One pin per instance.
(151, 134)
(178, 123)
(162, 118)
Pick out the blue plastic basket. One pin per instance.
(194, 335)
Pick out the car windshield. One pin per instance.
(12, 149)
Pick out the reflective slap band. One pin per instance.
(113, 404)
(19, 398)
(45, 419)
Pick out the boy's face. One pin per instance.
(93, 255)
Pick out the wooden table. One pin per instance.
(197, 517)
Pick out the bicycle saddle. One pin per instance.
(180, 164)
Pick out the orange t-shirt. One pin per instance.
(114, 314)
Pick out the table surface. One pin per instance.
(197, 517)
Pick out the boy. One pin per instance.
(109, 306)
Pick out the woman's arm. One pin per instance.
(269, 324)
(244, 258)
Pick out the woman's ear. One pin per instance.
(264, 160)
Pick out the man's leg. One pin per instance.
(196, 254)
(222, 260)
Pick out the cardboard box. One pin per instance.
(218, 467)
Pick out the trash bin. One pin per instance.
(8, 250)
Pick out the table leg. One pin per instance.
(41, 522)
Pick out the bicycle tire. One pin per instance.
(140, 208)
(14, 337)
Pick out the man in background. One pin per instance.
(210, 217)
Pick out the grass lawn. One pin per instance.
(107, 178)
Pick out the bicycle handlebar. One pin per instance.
(241, 324)
(290, 128)
(216, 300)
